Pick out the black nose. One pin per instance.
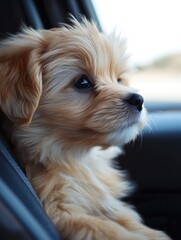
(135, 100)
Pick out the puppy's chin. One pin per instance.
(128, 133)
(122, 136)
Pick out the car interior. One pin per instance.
(153, 160)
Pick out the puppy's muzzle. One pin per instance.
(135, 100)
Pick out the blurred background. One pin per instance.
(153, 32)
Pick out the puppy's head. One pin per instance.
(70, 81)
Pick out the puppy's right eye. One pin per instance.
(83, 83)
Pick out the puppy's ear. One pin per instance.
(21, 75)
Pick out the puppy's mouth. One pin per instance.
(135, 110)
(117, 115)
(129, 124)
(129, 129)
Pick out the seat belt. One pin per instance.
(5, 151)
(13, 176)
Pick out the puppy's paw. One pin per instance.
(97, 229)
(118, 235)
(110, 230)
(157, 235)
(161, 236)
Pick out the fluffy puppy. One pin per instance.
(67, 106)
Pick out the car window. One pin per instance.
(153, 33)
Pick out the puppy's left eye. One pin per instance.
(83, 83)
(119, 80)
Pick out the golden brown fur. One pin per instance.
(63, 136)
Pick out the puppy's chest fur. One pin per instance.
(88, 185)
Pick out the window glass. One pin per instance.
(153, 32)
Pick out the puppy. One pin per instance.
(67, 107)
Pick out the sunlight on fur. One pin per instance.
(68, 111)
